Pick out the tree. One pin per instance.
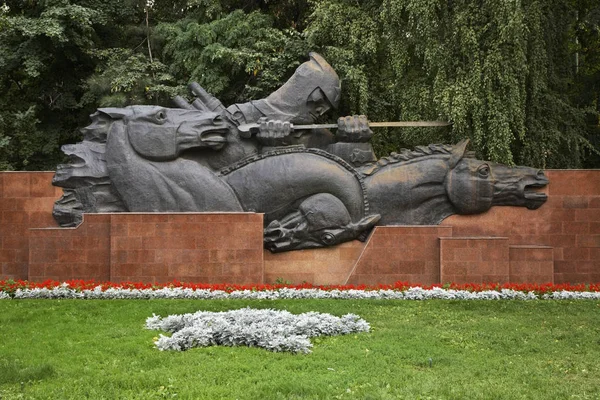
(237, 57)
(586, 91)
(59, 61)
(500, 71)
(42, 61)
(521, 79)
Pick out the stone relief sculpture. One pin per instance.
(315, 188)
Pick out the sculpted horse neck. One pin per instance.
(425, 186)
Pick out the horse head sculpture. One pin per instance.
(474, 186)
(321, 220)
(424, 186)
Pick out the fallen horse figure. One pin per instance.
(315, 188)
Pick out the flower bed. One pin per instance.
(78, 289)
(273, 330)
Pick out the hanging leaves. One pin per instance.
(500, 71)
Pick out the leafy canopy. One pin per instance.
(521, 79)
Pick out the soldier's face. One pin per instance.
(297, 110)
(317, 104)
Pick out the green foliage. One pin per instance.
(58, 62)
(237, 57)
(500, 71)
(18, 145)
(124, 77)
(556, 128)
(350, 36)
(350, 40)
(520, 79)
(42, 58)
(416, 349)
(586, 88)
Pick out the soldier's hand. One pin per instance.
(204, 101)
(273, 132)
(353, 128)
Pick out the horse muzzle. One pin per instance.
(522, 190)
(534, 198)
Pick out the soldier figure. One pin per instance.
(312, 91)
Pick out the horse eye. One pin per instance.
(328, 238)
(484, 171)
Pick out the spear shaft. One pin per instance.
(393, 124)
(248, 129)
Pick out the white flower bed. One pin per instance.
(273, 330)
(415, 293)
(567, 295)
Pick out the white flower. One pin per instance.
(413, 293)
(273, 330)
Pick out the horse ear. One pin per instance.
(458, 152)
(115, 113)
(362, 228)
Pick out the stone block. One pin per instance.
(41, 186)
(588, 215)
(531, 264)
(408, 251)
(140, 229)
(14, 218)
(575, 227)
(474, 259)
(576, 253)
(588, 240)
(16, 184)
(573, 182)
(575, 202)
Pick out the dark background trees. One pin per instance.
(520, 79)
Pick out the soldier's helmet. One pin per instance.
(327, 79)
(290, 101)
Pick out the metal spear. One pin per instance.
(247, 130)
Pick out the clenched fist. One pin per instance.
(273, 132)
(353, 128)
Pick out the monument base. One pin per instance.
(559, 242)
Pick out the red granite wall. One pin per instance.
(563, 236)
(474, 259)
(569, 222)
(330, 266)
(211, 248)
(194, 247)
(400, 253)
(531, 264)
(26, 201)
(71, 253)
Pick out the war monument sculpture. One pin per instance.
(316, 188)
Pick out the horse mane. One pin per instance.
(407, 155)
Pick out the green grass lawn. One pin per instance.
(416, 350)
